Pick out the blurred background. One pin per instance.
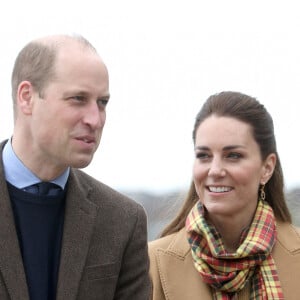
(165, 57)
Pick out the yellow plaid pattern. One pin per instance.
(227, 273)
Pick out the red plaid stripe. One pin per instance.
(227, 273)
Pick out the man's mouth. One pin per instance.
(87, 140)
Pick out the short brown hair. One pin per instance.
(36, 62)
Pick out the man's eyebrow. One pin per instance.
(107, 97)
(86, 93)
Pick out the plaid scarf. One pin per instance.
(227, 273)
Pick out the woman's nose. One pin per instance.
(216, 168)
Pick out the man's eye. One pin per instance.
(102, 102)
(78, 98)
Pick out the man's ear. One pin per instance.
(25, 97)
(268, 168)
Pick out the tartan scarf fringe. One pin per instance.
(228, 273)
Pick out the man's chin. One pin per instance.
(81, 163)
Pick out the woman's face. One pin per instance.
(228, 168)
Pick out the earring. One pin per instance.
(262, 192)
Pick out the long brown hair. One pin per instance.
(246, 109)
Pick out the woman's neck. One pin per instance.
(230, 229)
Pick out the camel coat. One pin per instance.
(174, 276)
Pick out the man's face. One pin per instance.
(68, 118)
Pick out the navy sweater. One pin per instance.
(39, 225)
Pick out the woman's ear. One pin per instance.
(268, 168)
(25, 97)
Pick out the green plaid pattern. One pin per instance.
(227, 273)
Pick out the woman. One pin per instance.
(233, 238)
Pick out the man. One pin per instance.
(81, 240)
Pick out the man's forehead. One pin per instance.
(56, 40)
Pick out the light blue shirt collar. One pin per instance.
(17, 174)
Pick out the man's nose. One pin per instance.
(94, 116)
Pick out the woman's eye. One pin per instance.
(202, 155)
(234, 155)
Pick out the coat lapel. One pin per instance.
(178, 275)
(78, 227)
(11, 264)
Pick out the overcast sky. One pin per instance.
(165, 57)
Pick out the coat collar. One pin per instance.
(179, 277)
(288, 236)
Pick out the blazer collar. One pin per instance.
(79, 221)
(11, 263)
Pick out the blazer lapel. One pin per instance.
(80, 216)
(178, 275)
(11, 264)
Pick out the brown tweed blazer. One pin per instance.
(174, 276)
(104, 248)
